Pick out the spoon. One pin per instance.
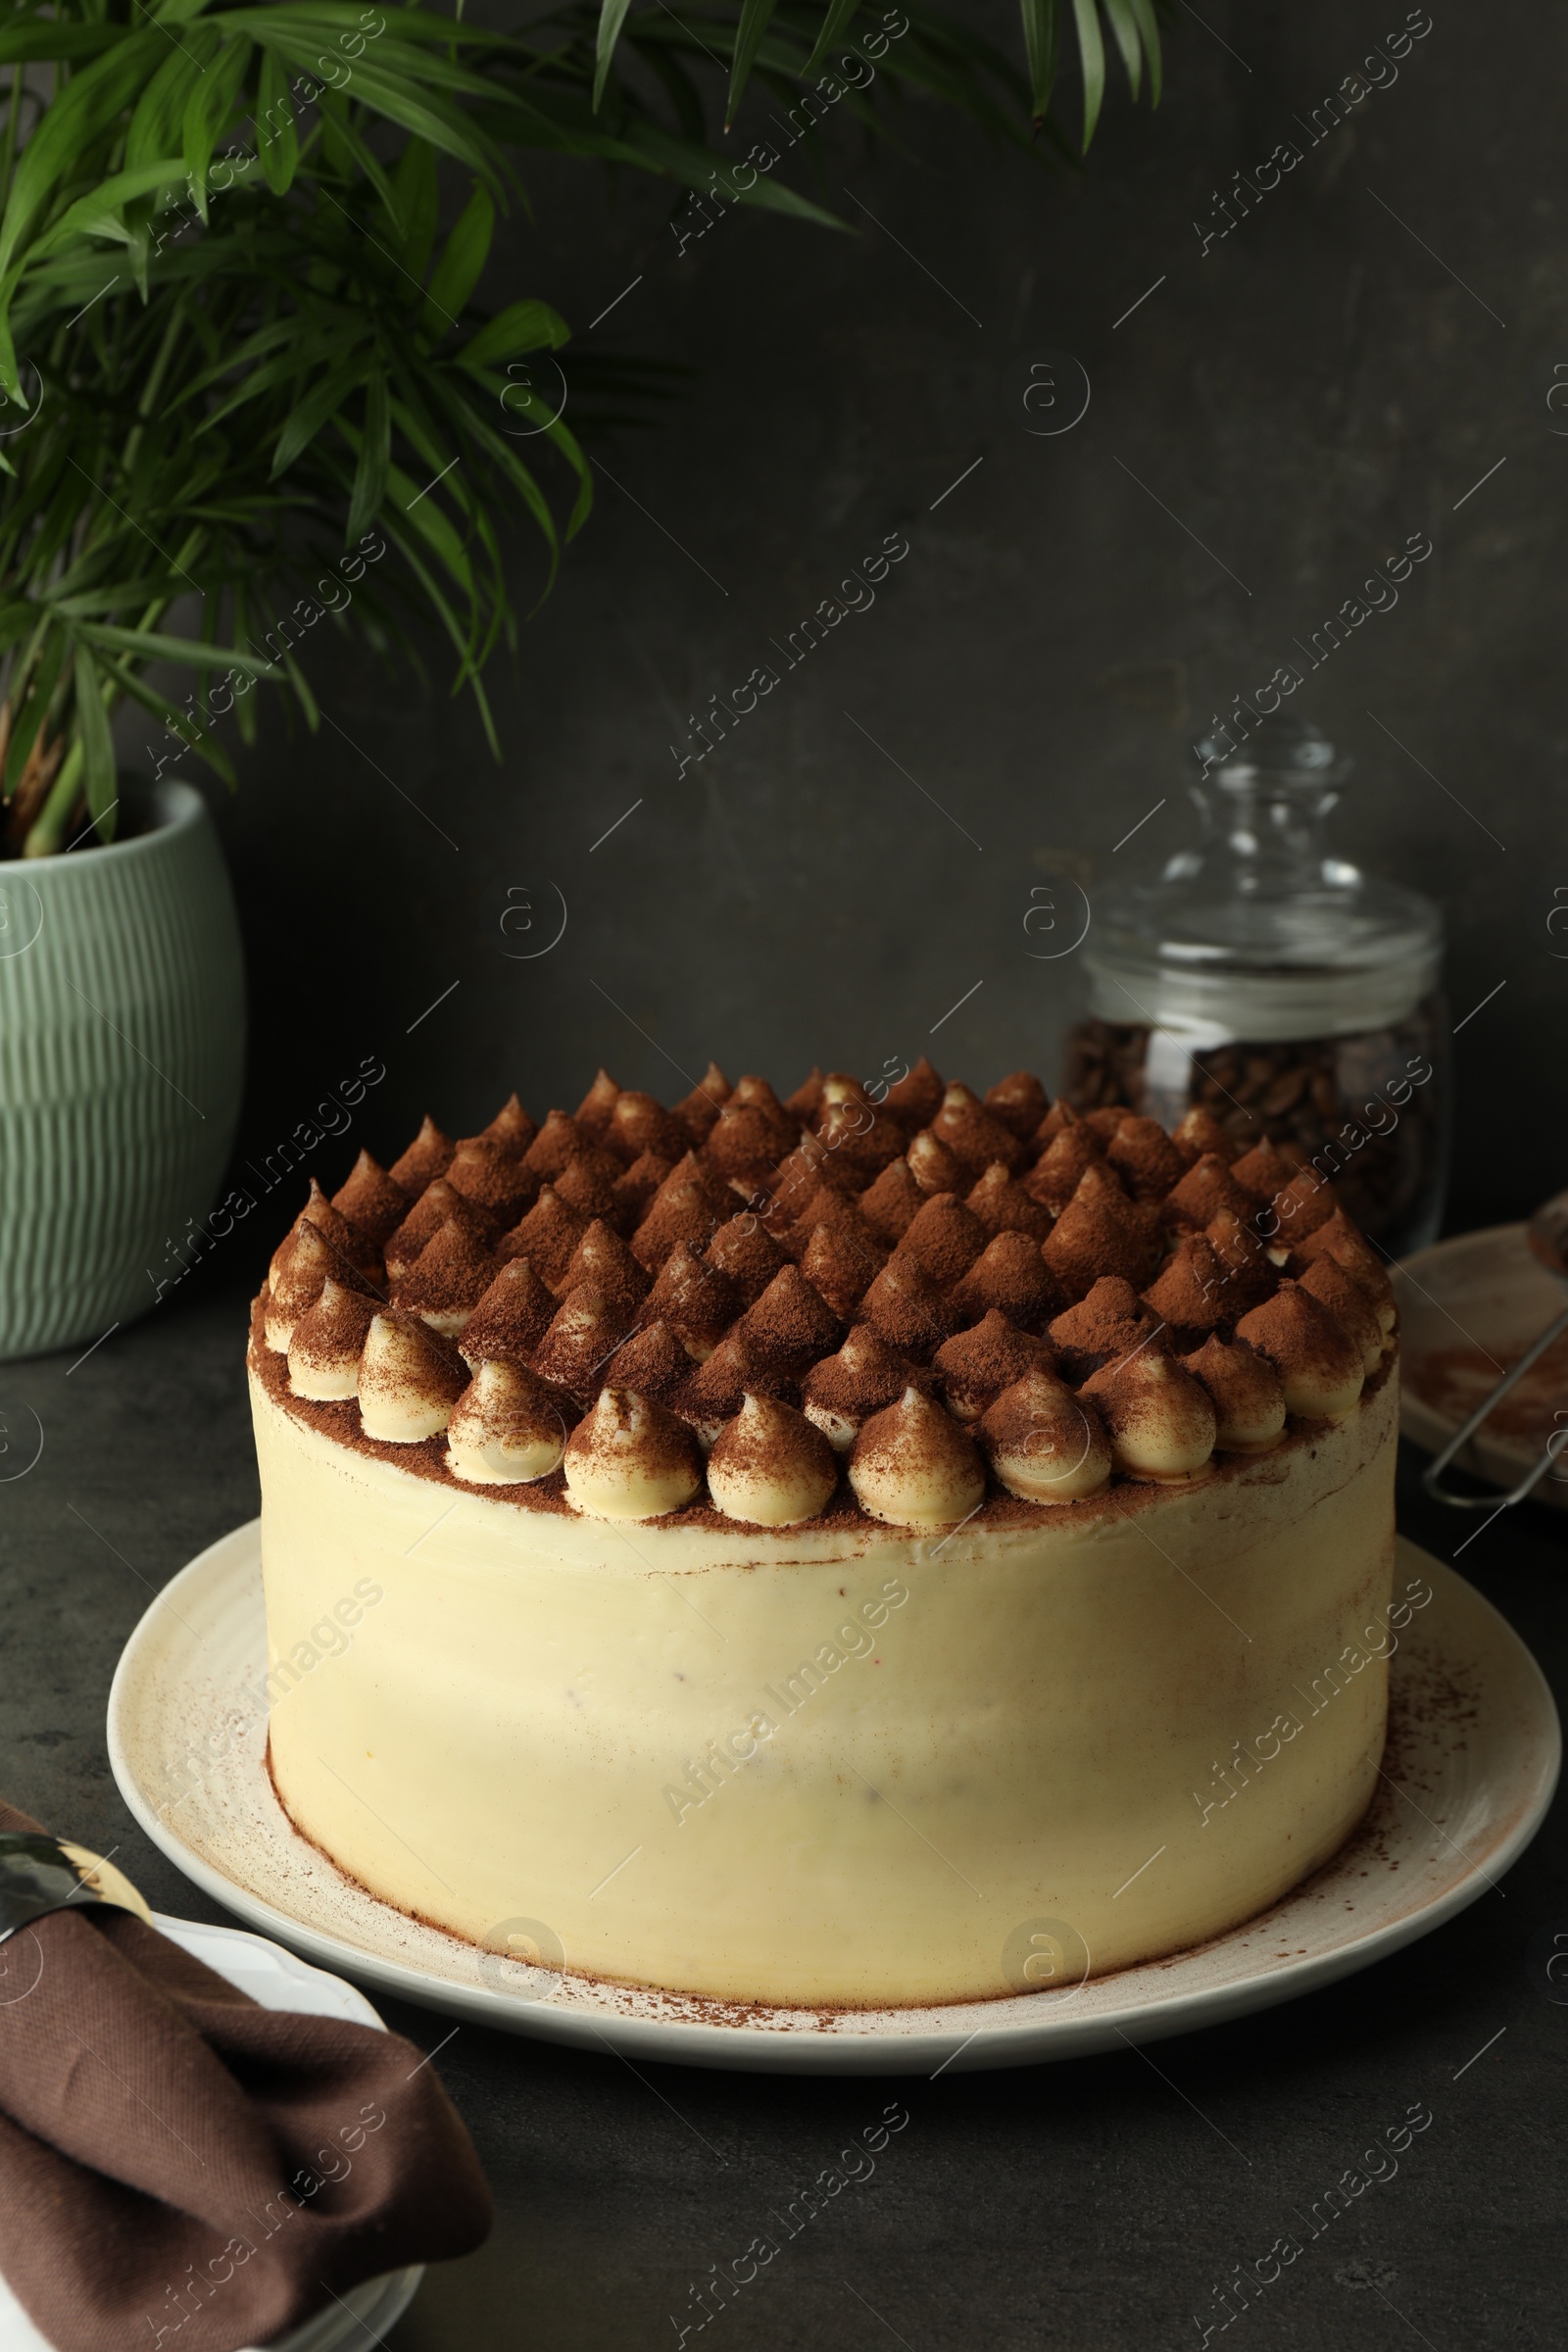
(1546, 1234)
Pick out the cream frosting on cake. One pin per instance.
(831, 1551)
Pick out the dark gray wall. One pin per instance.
(1316, 386)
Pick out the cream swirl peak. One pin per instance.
(507, 1428)
(328, 1342)
(631, 1459)
(410, 1380)
(769, 1466)
(780, 1311)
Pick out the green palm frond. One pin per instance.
(235, 351)
(799, 41)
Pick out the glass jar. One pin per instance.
(1292, 996)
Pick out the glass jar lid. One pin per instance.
(1257, 930)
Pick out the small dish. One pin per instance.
(1469, 1307)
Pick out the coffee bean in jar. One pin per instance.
(1285, 990)
(1364, 1110)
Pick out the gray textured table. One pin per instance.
(1095, 2204)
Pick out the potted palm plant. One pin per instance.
(249, 392)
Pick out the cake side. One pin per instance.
(833, 1770)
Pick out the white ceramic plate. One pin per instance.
(1475, 1302)
(275, 1979)
(1474, 1739)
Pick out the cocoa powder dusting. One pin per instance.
(511, 1317)
(1010, 1274)
(370, 1200)
(976, 1365)
(731, 1226)
(425, 1158)
(650, 1361)
(454, 1270)
(548, 1235)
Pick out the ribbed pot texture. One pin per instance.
(121, 1060)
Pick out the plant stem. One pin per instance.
(11, 129)
(48, 827)
(152, 388)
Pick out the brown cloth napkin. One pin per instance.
(180, 2168)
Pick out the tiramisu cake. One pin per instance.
(830, 1552)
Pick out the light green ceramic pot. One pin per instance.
(122, 1057)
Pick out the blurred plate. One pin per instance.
(1468, 1308)
(1473, 1733)
(274, 1979)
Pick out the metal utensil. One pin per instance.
(39, 1873)
(1548, 1236)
